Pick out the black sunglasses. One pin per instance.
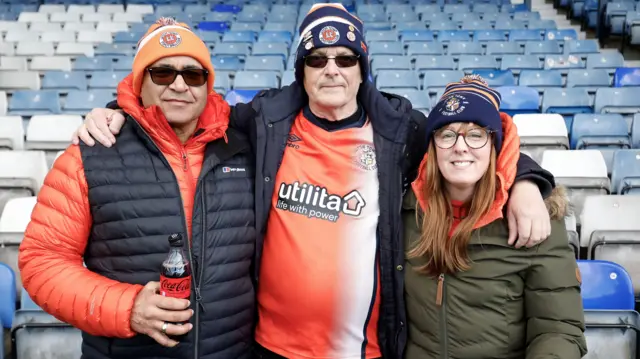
(165, 76)
(320, 61)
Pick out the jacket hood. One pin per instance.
(212, 123)
(506, 169)
(557, 203)
(386, 111)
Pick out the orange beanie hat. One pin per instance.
(169, 38)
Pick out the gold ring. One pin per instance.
(164, 327)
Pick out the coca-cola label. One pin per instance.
(175, 287)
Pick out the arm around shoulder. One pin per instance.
(554, 313)
(51, 257)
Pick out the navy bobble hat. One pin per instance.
(331, 25)
(470, 100)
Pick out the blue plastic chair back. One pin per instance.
(240, 96)
(227, 8)
(518, 99)
(626, 76)
(605, 285)
(625, 176)
(26, 303)
(217, 26)
(8, 297)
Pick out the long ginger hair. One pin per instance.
(446, 254)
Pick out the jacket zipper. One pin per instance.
(441, 302)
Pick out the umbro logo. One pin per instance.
(291, 141)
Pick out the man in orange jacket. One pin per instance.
(177, 168)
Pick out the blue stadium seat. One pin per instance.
(635, 131)
(271, 49)
(465, 48)
(540, 79)
(255, 80)
(81, 102)
(239, 36)
(605, 285)
(617, 100)
(468, 63)
(455, 8)
(225, 17)
(541, 24)
(454, 35)
(409, 36)
(563, 63)
(168, 10)
(8, 297)
(240, 96)
(196, 8)
(503, 48)
(436, 79)
(515, 63)
(234, 9)
(33, 102)
(581, 47)
(227, 63)
(566, 101)
(496, 78)
(381, 26)
(428, 9)
(231, 49)
(615, 13)
(429, 62)
(425, 48)
(489, 35)
(443, 25)
(510, 25)
(375, 35)
(390, 62)
(115, 49)
(475, 25)
(565, 34)
(625, 177)
(127, 37)
(251, 16)
(246, 26)
(288, 77)
(524, 35)
(593, 131)
(264, 63)
(386, 79)
(26, 303)
(403, 17)
(419, 99)
(591, 79)
(123, 63)
(222, 82)
(626, 76)
(463, 18)
(605, 60)
(519, 99)
(215, 26)
(548, 47)
(385, 48)
(63, 80)
(106, 79)
(482, 8)
(209, 37)
(409, 26)
(275, 36)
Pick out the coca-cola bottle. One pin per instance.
(175, 277)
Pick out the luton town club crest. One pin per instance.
(170, 39)
(329, 35)
(365, 157)
(454, 105)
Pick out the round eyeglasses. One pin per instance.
(475, 138)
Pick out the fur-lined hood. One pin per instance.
(557, 203)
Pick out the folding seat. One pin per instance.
(288, 77)
(264, 63)
(409, 26)
(563, 63)
(81, 102)
(13, 63)
(45, 26)
(8, 297)
(75, 49)
(582, 172)
(510, 25)
(403, 17)
(411, 36)
(51, 8)
(240, 96)
(270, 49)
(227, 63)
(516, 63)
(635, 131)
(14, 218)
(605, 286)
(127, 37)
(399, 8)
(387, 79)
(476, 25)
(489, 35)
(51, 133)
(482, 8)
(219, 17)
(540, 132)
(110, 8)
(19, 36)
(428, 9)
(11, 133)
(465, 48)
(455, 8)
(615, 14)
(3, 103)
(7, 48)
(549, 47)
(564, 34)
(566, 101)
(437, 79)
(45, 63)
(428, 62)
(626, 76)
(26, 16)
(96, 17)
(239, 37)
(390, 62)
(419, 99)
(625, 175)
(34, 48)
(540, 79)
(92, 63)
(591, 79)
(140, 8)
(373, 35)
(469, 63)
(623, 100)
(537, 24)
(575, 47)
(64, 80)
(605, 60)
(496, 78)
(209, 37)
(368, 17)
(255, 80)
(251, 16)
(278, 27)
(81, 9)
(78, 26)
(95, 37)
(15, 80)
(385, 48)
(213, 26)
(107, 26)
(526, 15)
(231, 49)
(504, 48)
(383, 26)
(58, 36)
(230, 8)
(30, 102)
(22, 174)
(106, 79)
(518, 99)
(443, 25)
(466, 17)
(246, 26)
(454, 35)
(524, 35)
(604, 132)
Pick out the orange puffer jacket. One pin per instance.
(51, 253)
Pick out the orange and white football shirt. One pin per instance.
(319, 282)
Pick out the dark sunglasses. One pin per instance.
(165, 76)
(320, 61)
